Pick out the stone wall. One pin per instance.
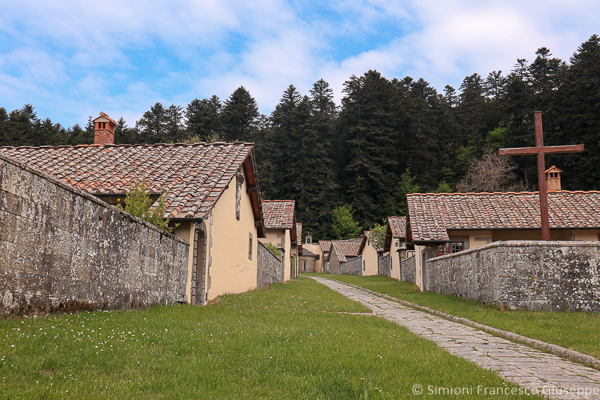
(408, 269)
(64, 249)
(352, 267)
(384, 265)
(530, 275)
(306, 264)
(270, 267)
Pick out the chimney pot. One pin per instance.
(553, 179)
(104, 129)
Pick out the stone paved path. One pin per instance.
(540, 372)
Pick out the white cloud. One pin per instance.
(75, 58)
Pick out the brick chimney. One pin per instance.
(553, 179)
(104, 129)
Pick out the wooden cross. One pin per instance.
(541, 151)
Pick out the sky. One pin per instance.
(73, 59)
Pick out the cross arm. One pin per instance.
(519, 151)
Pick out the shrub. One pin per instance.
(274, 249)
(138, 203)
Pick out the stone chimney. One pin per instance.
(553, 179)
(104, 129)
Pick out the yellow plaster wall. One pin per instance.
(473, 235)
(231, 271)
(369, 256)
(289, 254)
(590, 235)
(522, 234)
(271, 237)
(185, 230)
(418, 267)
(315, 248)
(555, 234)
(395, 246)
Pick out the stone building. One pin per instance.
(308, 261)
(281, 231)
(211, 193)
(344, 257)
(448, 223)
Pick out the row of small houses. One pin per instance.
(488, 247)
(362, 256)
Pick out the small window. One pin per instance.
(456, 247)
(250, 248)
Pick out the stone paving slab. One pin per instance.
(530, 368)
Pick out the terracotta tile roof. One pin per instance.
(398, 226)
(431, 215)
(298, 234)
(348, 247)
(368, 237)
(195, 175)
(325, 245)
(278, 214)
(308, 253)
(396, 229)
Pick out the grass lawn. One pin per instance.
(575, 330)
(294, 340)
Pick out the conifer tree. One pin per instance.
(579, 102)
(203, 118)
(152, 127)
(5, 139)
(23, 126)
(239, 115)
(368, 125)
(322, 183)
(174, 129)
(407, 185)
(286, 129)
(125, 134)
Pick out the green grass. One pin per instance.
(294, 340)
(575, 330)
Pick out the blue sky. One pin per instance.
(73, 59)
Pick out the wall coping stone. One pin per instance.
(88, 196)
